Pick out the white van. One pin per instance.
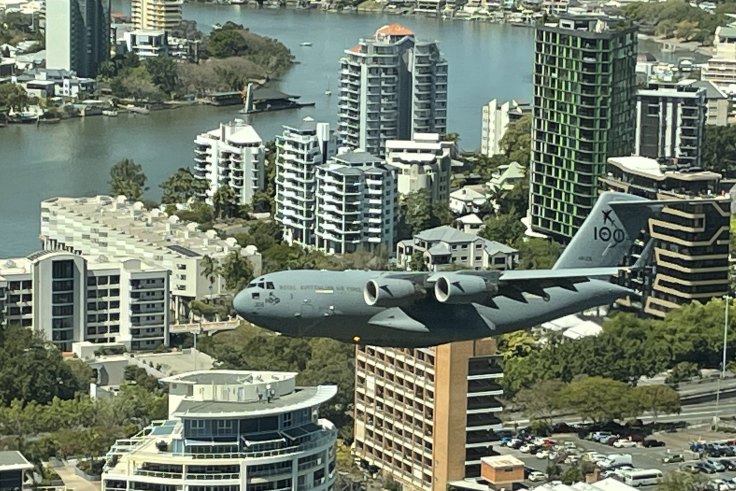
(642, 477)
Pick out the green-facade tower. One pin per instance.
(584, 113)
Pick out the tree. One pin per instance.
(226, 42)
(181, 187)
(502, 228)
(128, 179)
(13, 96)
(417, 212)
(599, 399)
(237, 271)
(681, 481)
(719, 148)
(200, 213)
(211, 270)
(541, 401)
(536, 253)
(82, 373)
(163, 73)
(416, 263)
(516, 142)
(657, 399)
(571, 475)
(225, 201)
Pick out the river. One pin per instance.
(74, 157)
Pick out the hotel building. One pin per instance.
(117, 228)
(70, 298)
(691, 238)
(427, 416)
(234, 156)
(391, 87)
(584, 112)
(231, 431)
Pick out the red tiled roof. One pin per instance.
(355, 49)
(395, 30)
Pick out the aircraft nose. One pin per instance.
(241, 303)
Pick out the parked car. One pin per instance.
(653, 443)
(716, 465)
(690, 468)
(706, 467)
(542, 454)
(673, 458)
(624, 443)
(537, 476)
(730, 465)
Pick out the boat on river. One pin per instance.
(305, 43)
(111, 113)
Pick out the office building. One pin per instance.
(497, 116)
(116, 228)
(356, 204)
(721, 68)
(299, 150)
(391, 87)
(670, 122)
(422, 163)
(718, 104)
(70, 298)
(446, 246)
(584, 112)
(427, 416)
(231, 430)
(77, 35)
(691, 239)
(159, 15)
(234, 156)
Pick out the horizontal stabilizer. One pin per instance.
(395, 318)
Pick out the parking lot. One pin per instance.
(642, 458)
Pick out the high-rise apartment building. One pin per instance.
(427, 416)
(299, 150)
(391, 86)
(234, 156)
(70, 298)
(670, 122)
(496, 118)
(356, 204)
(77, 35)
(231, 430)
(721, 68)
(691, 239)
(159, 15)
(116, 228)
(422, 163)
(584, 112)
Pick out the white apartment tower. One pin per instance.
(422, 163)
(233, 155)
(497, 116)
(300, 149)
(231, 430)
(356, 204)
(721, 68)
(160, 15)
(71, 298)
(391, 86)
(670, 122)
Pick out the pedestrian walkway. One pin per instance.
(74, 482)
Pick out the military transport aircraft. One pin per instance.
(416, 309)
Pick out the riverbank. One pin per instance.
(679, 44)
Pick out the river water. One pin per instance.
(74, 157)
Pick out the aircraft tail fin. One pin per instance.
(608, 232)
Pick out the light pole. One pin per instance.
(723, 365)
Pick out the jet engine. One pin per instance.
(386, 292)
(463, 288)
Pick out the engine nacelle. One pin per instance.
(386, 292)
(462, 288)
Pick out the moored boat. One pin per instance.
(110, 113)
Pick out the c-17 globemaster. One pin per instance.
(416, 309)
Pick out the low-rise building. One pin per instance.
(690, 239)
(356, 204)
(506, 177)
(445, 246)
(496, 118)
(232, 155)
(470, 224)
(231, 430)
(70, 298)
(423, 163)
(117, 228)
(15, 471)
(468, 199)
(147, 43)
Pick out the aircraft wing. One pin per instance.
(513, 284)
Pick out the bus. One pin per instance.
(641, 477)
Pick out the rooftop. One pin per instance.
(357, 158)
(13, 460)
(646, 167)
(608, 484)
(153, 229)
(502, 461)
(394, 30)
(229, 377)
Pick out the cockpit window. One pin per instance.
(252, 284)
(269, 285)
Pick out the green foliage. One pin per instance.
(181, 187)
(417, 212)
(502, 228)
(200, 213)
(226, 203)
(417, 262)
(128, 179)
(657, 399)
(237, 271)
(571, 475)
(139, 376)
(536, 253)
(13, 96)
(516, 343)
(82, 373)
(32, 370)
(681, 481)
(224, 42)
(136, 83)
(540, 401)
(674, 18)
(719, 148)
(516, 143)
(163, 73)
(685, 370)
(598, 399)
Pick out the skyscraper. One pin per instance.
(159, 15)
(77, 35)
(584, 112)
(391, 86)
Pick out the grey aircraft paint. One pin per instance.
(414, 309)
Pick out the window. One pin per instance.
(255, 295)
(269, 286)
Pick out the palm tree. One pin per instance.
(211, 270)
